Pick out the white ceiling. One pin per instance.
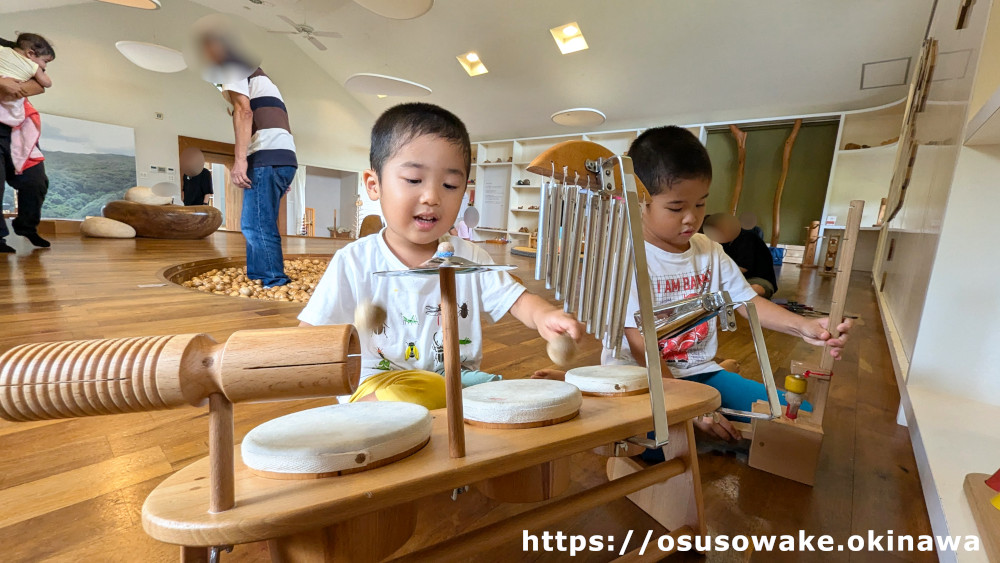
(649, 62)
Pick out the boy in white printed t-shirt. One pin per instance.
(420, 160)
(675, 168)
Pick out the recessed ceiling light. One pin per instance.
(381, 85)
(472, 63)
(569, 38)
(380, 96)
(141, 4)
(151, 56)
(579, 117)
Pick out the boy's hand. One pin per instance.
(554, 321)
(717, 426)
(814, 331)
(555, 374)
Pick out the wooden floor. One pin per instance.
(73, 490)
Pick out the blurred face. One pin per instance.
(674, 215)
(420, 188)
(40, 61)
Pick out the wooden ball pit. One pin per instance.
(227, 277)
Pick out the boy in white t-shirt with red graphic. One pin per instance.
(675, 168)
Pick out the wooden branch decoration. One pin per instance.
(741, 161)
(785, 159)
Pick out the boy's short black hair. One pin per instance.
(36, 43)
(405, 122)
(664, 155)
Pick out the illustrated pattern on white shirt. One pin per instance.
(703, 268)
(411, 337)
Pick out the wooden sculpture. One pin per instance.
(166, 221)
(785, 162)
(812, 239)
(741, 161)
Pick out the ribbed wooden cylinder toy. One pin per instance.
(96, 377)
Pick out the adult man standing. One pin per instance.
(31, 184)
(265, 162)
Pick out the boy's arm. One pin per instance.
(537, 313)
(813, 331)
(42, 78)
(637, 345)
(303, 323)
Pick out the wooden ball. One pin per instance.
(369, 317)
(561, 350)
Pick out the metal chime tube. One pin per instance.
(589, 251)
(625, 269)
(610, 236)
(570, 248)
(593, 292)
(552, 234)
(573, 280)
(544, 212)
(615, 258)
(566, 195)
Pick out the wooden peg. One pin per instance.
(452, 365)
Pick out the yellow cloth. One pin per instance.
(15, 65)
(406, 386)
(995, 501)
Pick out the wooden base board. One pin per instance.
(986, 515)
(787, 448)
(59, 226)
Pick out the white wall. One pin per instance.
(94, 81)
(323, 193)
(956, 350)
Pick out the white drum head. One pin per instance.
(336, 439)
(520, 403)
(609, 381)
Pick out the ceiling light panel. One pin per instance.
(569, 38)
(472, 63)
(141, 4)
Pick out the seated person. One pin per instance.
(748, 221)
(420, 160)
(746, 249)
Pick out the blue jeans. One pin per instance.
(738, 393)
(259, 223)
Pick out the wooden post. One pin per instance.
(741, 161)
(220, 453)
(785, 159)
(452, 367)
(844, 265)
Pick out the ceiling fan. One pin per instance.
(308, 32)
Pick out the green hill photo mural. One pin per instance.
(88, 165)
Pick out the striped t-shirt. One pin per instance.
(271, 143)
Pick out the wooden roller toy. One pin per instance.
(96, 377)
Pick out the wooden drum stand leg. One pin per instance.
(452, 367)
(531, 484)
(675, 503)
(365, 539)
